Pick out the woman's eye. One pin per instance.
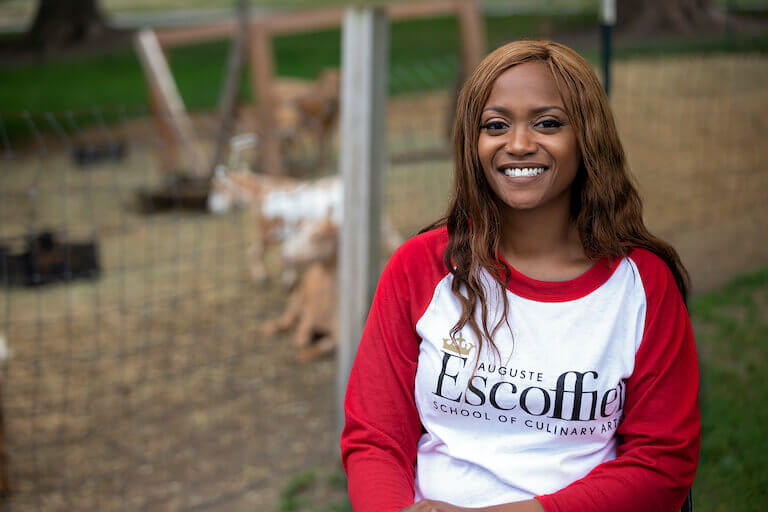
(549, 123)
(494, 126)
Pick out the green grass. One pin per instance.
(731, 330)
(314, 491)
(424, 56)
(116, 78)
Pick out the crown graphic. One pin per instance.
(458, 345)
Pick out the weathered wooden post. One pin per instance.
(365, 56)
(262, 87)
(167, 103)
(472, 28)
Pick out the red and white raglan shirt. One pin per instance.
(590, 403)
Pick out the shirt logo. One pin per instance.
(458, 345)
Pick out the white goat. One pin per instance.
(281, 207)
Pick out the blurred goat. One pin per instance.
(313, 305)
(282, 207)
(305, 115)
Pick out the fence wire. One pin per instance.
(136, 377)
(691, 127)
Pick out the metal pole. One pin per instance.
(228, 99)
(365, 57)
(607, 21)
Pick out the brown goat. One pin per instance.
(312, 305)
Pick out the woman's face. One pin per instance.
(527, 145)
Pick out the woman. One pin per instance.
(532, 351)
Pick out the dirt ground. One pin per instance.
(150, 388)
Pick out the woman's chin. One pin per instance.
(521, 204)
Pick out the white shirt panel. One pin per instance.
(550, 398)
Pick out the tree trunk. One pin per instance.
(683, 17)
(62, 23)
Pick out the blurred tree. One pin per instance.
(678, 16)
(62, 23)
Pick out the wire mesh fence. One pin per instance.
(691, 127)
(136, 376)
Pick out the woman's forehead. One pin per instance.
(526, 85)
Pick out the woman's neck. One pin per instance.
(543, 244)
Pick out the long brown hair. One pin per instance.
(605, 204)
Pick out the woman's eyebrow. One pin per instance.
(537, 110)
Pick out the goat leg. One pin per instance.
(304, 332)
(324, 345)
(291, 313)
(257, 250)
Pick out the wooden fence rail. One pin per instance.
(261, 55)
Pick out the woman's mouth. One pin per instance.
(522, 169)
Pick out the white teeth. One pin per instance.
(525, 171)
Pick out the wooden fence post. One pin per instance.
(262, 83)
(167, 151)
(473, 36)
(167, 102)
(363, 151)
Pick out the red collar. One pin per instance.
(560, 291)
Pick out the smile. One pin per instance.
(525, 171)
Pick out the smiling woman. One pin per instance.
(542, 263)
(527, 146)
(530, 157)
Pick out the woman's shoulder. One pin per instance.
(426, 247)
(656, 276)
(418, 265)
(414, 271)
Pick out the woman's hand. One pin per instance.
(441, 506)
(436, 506)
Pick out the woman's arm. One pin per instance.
(439, 506)
(382, 425)
(660, 433)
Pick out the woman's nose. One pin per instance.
(520, 142)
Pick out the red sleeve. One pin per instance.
(382, 425)
(660, 433)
